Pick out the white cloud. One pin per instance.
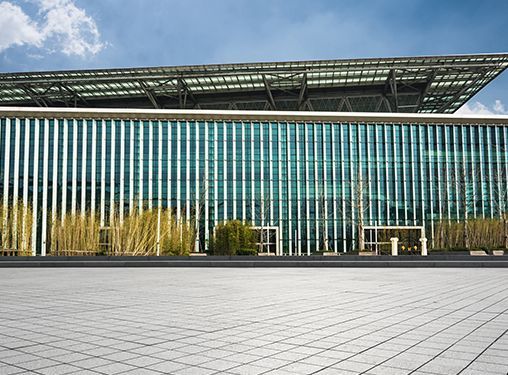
(60, 26)
(478, 108)
(17, 28)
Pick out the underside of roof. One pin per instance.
(438, 84)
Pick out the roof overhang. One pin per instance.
(430, 84)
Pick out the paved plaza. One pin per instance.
(253, 321)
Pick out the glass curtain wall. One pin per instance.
(313, 180)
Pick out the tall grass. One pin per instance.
(76, 234)
(143, 233)
(482, 233)
(16, 229)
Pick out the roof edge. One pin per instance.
(261, 63)
(234, 115)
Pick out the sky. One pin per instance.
(84, 34)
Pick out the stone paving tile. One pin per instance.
(254, 321)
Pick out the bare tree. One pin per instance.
(198, 210)
(500, 207)
(324, 215)
(263, 216)
(361, 205)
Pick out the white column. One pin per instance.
(141, 166)
(103, 173)
(490, 180)
(7, 163)
(334, 188)
(387, 174)
(455, 167)
(379, 143)
(307, 189)
(25, 178)
(225, 176)
(178, 169)
(26, 165)
(342, 187)
(150, 164)
(93, 188)
(395, 250)
(298, 236)
(74, 171)
(170, 163)
(280, 164)
(464, 166)
(482, 173)
(262, 200)
(112, 175)
(159, 164)
(206, 143)
(35, 207)
(431, 180)
(65, 166)
(235, 182)
(45, 176)
(413, 165)
(198, 194)
(244, 177)
(83, 168)
(252, 178)
(17, 158)
(15, 177)
(404, 187)
(446, 179)
(352, 187)
(131, 165)
(421, 138)
(325, 187)
(122, 170)
(424, 246)
(395, 179)
(159, 186)
(270, 170)
(15, 193)
(55, 171)
(290, 201)
(367, 142)
(187, 172)
(316, 187)
(498, 178)
(473, 167)
(215, 172)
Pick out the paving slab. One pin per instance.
(253, 321)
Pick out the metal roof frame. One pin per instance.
(430, 84)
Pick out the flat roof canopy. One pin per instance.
(434, 84)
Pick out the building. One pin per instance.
(281, 145)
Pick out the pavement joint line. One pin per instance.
(293, 310)
(437, 333)
(376, 344)
(331, 335)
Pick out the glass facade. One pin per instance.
(309, 179)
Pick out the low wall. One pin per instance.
(441, 260)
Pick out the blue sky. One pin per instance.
(81, 34)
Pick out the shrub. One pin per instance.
(233, 238)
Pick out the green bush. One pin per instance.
(233, 238)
